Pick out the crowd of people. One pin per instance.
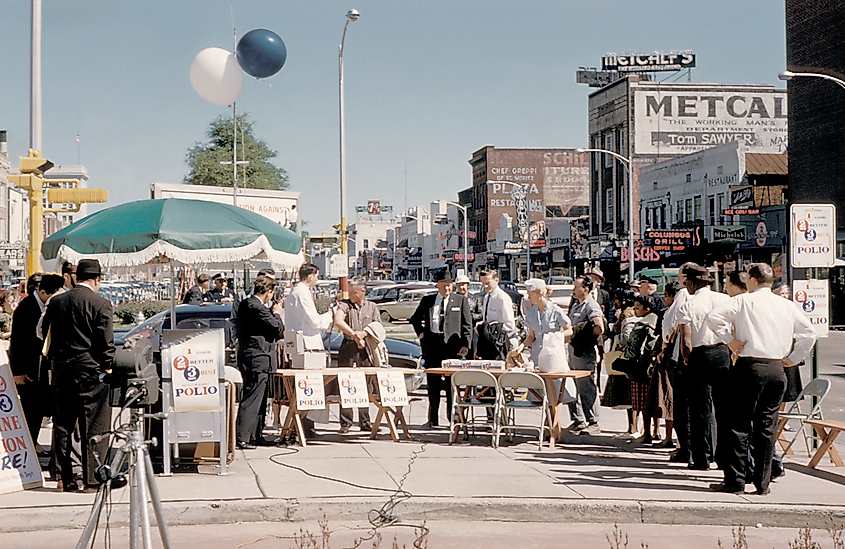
(715, 367)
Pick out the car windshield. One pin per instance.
(562, 292)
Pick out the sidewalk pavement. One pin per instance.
(598, 479)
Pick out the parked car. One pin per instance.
(561, 295)
(401, 353)
(395, 292)
(560, 279)
(510, 288)
(404, 354)
(377, 291)
(404, 307)
(475, 288)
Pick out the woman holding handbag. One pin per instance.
(617, 390)
(548, 327)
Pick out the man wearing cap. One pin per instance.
(80, 344)
(443, 325)
(707, 361)
(601, 295)
(221, 292)
(648, 286)
(765, 325)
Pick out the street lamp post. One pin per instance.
(627, 163)
(466, 229)
(351, 15)
(789, 75)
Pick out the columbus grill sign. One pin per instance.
(673, 240)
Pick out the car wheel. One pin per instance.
(385, 316)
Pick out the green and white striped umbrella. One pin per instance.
(187, 231)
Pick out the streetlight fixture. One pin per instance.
(466, 238)
(789, 75)
(627, 163)
(351, 15)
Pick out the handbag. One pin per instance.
(610, 359)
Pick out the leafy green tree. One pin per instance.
(204, 158)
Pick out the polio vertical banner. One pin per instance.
(813, 297)
(353, 389)
(813, 232)
(19, 467)
(392, 389)
(195, 368)
(310, 392)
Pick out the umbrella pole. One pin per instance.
(172, 298)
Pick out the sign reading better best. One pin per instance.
(813, 231)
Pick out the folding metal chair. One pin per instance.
(536, 387)
(468, 394)
(816, 388)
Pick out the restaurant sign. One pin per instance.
(672, 240)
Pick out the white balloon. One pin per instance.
(217, 76)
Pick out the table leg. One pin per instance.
(299, 430)
(377, 421)
(826, 447)
(288, 426)
(401, 417)
(554, 416)
(391, 425)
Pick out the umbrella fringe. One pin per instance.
(260, 249)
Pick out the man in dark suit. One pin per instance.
(80, 342)
(196, 295)
(258, 329)
(25, 351)
(443, 324)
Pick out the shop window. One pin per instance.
(697, 213)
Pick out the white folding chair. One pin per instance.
(537, 388)
(468, 389)
(816, 388)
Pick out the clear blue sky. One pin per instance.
(427, 83)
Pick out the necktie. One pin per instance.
(443, 313)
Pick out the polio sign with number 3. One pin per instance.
(310, 393)
(195, 370)
(353, 390)
(392, 388)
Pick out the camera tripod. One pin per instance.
(142, 486)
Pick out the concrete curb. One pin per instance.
(197, 512)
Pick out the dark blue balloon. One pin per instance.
(261, 53)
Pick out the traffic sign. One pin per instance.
(813, 296)
(813, 235)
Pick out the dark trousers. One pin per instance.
(757, 389)
(436, 350)
(253, 406)
(680, 409)
(709, 403)
(35, 404)
(350, 355)
(78, 398)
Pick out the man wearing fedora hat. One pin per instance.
(80, 344)
(707, 362)
(443, 324)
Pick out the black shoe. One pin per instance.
(679, 458)
(727, 488)
(263, 442)
(245, 446)
(698, 466)
(366, 428)
(763, 491)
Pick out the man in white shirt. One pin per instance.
(301, 315)
(672, 344)
(707, 362)
(764, 326)
(496, 307)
